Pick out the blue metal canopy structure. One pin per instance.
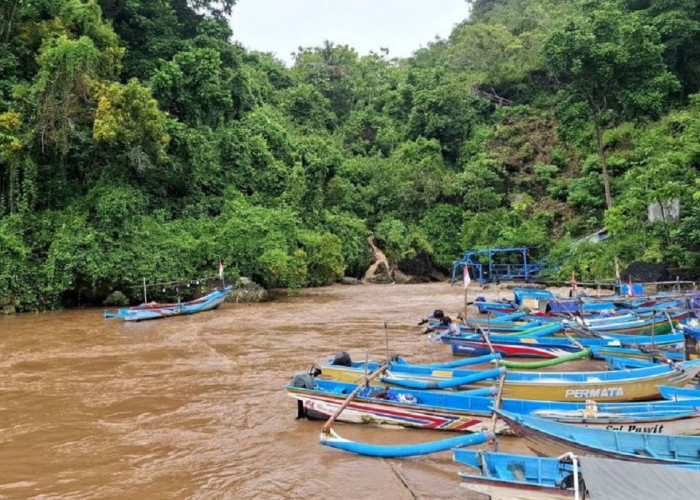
(484, 265)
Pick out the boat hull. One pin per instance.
(549, 443)
(501, 490)
(381, 412)
(158, 311)
(437, 410)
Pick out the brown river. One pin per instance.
(194, 407)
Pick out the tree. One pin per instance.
(678, 23)
(612, 62)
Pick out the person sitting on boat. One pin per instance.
(445, 327)
(452, 326)
(437, 314)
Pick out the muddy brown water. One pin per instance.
(194, 407)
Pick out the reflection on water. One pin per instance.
(193, 407)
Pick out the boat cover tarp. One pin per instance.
(564, 306)
(608, 479)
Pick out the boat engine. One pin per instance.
(342, 359)
(306, 380)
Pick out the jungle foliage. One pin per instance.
(136, 139)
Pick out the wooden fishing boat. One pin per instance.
(554, 438)
(154, 310)
(678, 393)
(470, 411)
(525, 477)
(633, 384)
(522, 477)
(497, 325)
(651, 324)
(551, 347)
(502, 307)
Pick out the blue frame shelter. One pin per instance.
(494, 271)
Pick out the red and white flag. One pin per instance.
(574, 288)
(467, 278)
(630, 290)
(221, 269)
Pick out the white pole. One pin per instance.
(574, 459)
(145, 299)
(386, 335)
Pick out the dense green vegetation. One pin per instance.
(137, 140)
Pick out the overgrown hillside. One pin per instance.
(137, 140)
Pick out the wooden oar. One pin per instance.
(327, 426)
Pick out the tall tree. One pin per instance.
(612, 62)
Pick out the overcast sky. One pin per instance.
(402, 26)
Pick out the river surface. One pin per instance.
(194, 406)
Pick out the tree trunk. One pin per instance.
(7, 14)
(603, 161)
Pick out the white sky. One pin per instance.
(402, 26)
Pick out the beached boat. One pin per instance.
(524, 477)
(679, 393)
(470, 411)
(154, 310)
(552, 438)
(551, 347)
(497, 325)
(632, 384)
(648, 324)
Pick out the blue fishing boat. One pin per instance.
(554, 438)
(470, 411)
(645, 324)
(616, 385)
(679, 393)
(525, 477)
(154, 310)
(521, 476)
(550, 347)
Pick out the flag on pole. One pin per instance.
(221, 269)
(574, 288)
(630, 290)
(467, 279)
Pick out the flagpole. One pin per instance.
(467, 280)
(465, 305)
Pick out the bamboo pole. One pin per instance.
(573, 340)
(486, 338)
(326, 429)
(497, 405)
(386, 336)
(466, 293)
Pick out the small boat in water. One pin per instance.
(155, 310)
